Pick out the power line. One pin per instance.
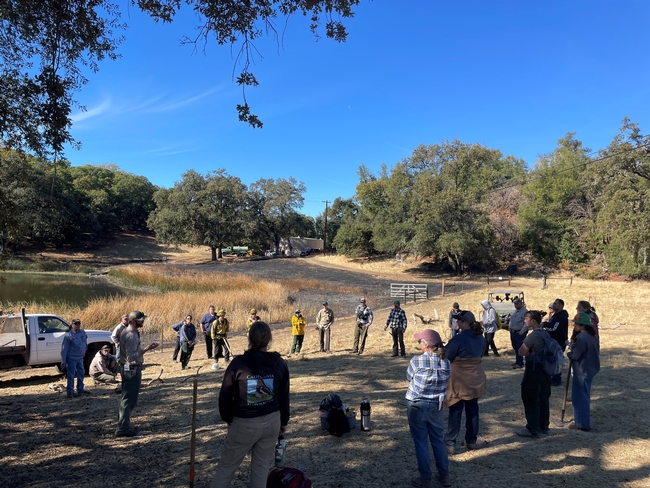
(570, 168)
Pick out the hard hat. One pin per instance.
(253, 311)
(221, 312)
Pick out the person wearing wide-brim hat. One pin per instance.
(584, 354)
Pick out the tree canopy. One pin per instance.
(46, 46)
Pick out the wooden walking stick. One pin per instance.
(193, 441)
(562, 422)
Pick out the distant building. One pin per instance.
(296, 245)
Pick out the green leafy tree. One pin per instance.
(547, 222)
(274, 208)
(47, 46)
(202, 210)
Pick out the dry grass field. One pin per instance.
(49, 441)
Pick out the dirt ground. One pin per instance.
(51, 441)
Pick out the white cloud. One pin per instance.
(93, 112)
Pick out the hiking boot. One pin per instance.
(353, 352)
(474, 447)
(393, 355)
(85, 392)
(127, 433)
(75, 394)
(526, 433)
(573, 426)
(420, 483)
(517, 366)
(451, 450)
(443, 479)
(497, 354)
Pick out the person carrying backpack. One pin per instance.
(536, 383)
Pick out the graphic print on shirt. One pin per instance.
(259, 390)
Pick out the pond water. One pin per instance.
(75, 289)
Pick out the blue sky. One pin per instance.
(512, 75)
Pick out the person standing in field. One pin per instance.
(117, 331)
(558, 328)
(324, 321)
(467, 382)
(187, 336)
(489, 323)
(428, 375)
(536, 384)
(585, 306)
(518, 330)
(585, 364)
(364, 318)
(131, 360)
(73, 350)
(252, 318)
(254, 402)
(451, 321)
(397, 322)
(298, 323)
(206, 328)
(177, 347)
(220, 329)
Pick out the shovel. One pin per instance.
(562, 422)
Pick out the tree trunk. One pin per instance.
(214, 252)
(220, 254)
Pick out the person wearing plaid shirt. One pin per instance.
(397, 323)
(428, 375)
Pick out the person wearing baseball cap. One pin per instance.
(131, 361)
(298, 323)
(252, 318)
(428, 374)
(585, 364)
(468, 381)
(324, 321)
(451, 321)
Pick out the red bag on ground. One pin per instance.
(287, 478)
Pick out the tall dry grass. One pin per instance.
(174, 292)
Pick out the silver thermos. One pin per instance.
(280, 447)
(365, 415)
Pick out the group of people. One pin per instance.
(452, 376)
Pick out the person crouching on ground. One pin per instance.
(298, 323)
(220, 329)
(104, 366)
(428, 375)
(254, 402)
(187, 338)
(536, 384)
(585, 365)
(468, 381)
(73, 350)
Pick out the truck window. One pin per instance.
(51, 324)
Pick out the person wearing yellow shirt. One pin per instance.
(298, 323)
(219, 334)
(251, 320)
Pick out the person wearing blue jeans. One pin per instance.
(428, 375)
(467, 382)
(518, 331)
(585, 364)
(73, 350)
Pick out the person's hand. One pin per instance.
(191, 343)
(62, 366)
(151, 346)
(283, 429)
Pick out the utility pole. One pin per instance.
(325, 227)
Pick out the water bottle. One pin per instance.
(280, 447)
(365, 415)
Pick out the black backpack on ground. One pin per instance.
(337, 423)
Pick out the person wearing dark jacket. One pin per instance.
(206, 326)
(254, 402)
(187, 337)
(558, 328)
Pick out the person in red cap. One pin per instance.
(468, 381)
(428, 375)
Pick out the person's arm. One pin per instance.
(283, 396)
(227, 397)
(452, 349)
(577, 351)
(203, 322)
(404, 319)
(410, 371)
(523, 350)
(369, 318)
(65, 346)
(183, 334)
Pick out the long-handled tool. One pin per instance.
(562, 422)
(193, 439)
(227, 344)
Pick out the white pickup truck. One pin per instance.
(35, 340)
